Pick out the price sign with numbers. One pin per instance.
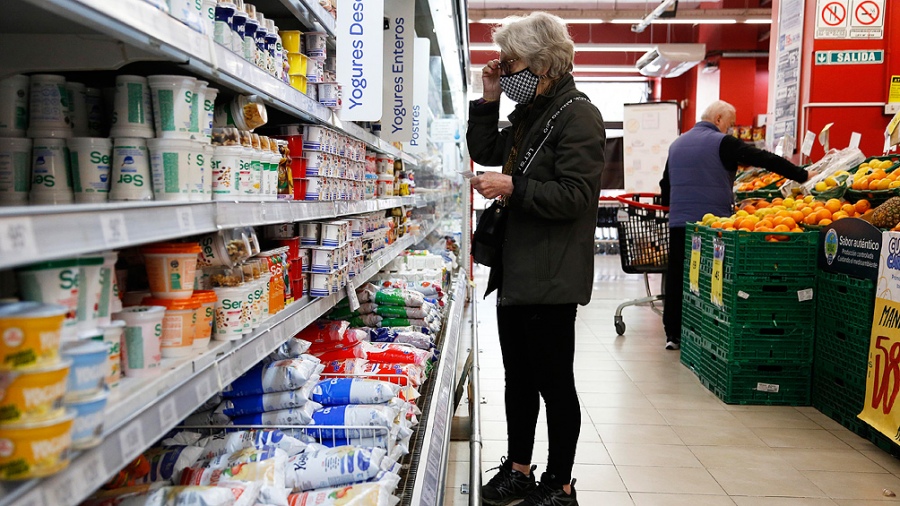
(17, 238)
(694, 274)
(883, 377)
(115, 232)
(718, 272)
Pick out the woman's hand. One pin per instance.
(490, 78)
(493, 184)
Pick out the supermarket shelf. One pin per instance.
(146, 409)
(149, 29)
(34, 233)
(429, 485)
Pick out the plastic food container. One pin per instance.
(35, 449)
(133, 108)
(330, 95)
(54, 282)
(171, 268)
(90, 159)
(13, 106)
(226, 172)
(309, 234)
(299, 83)
(331, 234)
(89, 370)
(33, 394)
(51, 183)
(172, 106)
(298, 63)
(30, 333)
(88, 424)
(113, 333)
(48, 107)
(140, 343)
(290, 40)
(89, 291)
(319, 285)
(77, 108)
(232, 310)
(130, 170)
(299, 188)
(205, 317)
(315, 44)
(172, 168)
(15, 171)
(201, 191)
(242, 113)
(108, 293)
(178, 325)
(315, 189)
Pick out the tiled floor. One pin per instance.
(652, 435)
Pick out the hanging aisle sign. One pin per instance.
(418, 142)
(399, 36)
(360, 53)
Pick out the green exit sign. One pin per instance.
(854, 57)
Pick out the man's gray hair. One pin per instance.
(541, 40)
(717, 108)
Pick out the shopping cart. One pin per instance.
(643, 227)
(605, 237)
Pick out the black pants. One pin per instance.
(674, 285)
(538, 345)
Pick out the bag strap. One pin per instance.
(526, 160)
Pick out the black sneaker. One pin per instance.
(548, 493)
(507, 485)
(673, 345)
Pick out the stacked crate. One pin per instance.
(757, 348)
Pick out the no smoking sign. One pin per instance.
(850, 19)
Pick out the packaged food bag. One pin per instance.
(342, 465)
(259, 403)
(278, 376)
(167, 463)
(378, 493)
(265, 466)
(294, 416)
(340, 391)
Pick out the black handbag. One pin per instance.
(487, 240)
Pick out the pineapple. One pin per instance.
(887, 215)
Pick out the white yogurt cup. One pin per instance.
(188, 12)
(208, 14)
(173, 112)
(201, 191)
(315, 44)
(232, 309)
(107, 288)
(78, 108)
(133, 110)
(209, 108)
(172, 168)
(93, 99)
(90, 159)
(226, 172)
(198, 109)
(309, 234)
(319, 285)
(48, 114)
(89, 292)
(130, 171)
(13, 106)
(222, 32)
(51, 176)
(330, 95)
(141, 353)
(113, 333)
(15, 171)
(179, 325)
(54, 282)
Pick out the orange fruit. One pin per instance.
(807, 211)
(811, 219)
(716, 224)
(862, 206)
(839, 215)
(777, 201)
(823, 214)
(833, 205)
(797, 230)
(749, 208)
(762, 204)
(789, 222)
(777, 220)
(824, 222)
(849, 208)
(797, 216)
(782, 228)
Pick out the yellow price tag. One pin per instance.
(694, 276)
(718, 273)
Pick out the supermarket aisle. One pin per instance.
(652, 435)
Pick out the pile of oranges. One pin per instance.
(787, 215)
(760, 181)
(872, 176)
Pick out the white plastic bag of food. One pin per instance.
(378, 493)
(293, 416)
(293, 348)
(230, 442)
(227, 493)
(265, 466)
(342, 465)
(259, 403)
(339, 391)
(277, 376)
(167, 463)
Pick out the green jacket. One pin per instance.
(548, 251)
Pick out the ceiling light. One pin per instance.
(654, 14)
(624, 21)
(758, 21)
(627, 69)
(592, 48)
(688, 21)
(610, 79)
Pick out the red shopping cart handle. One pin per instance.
(632, 199)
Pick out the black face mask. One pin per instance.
(521, 86)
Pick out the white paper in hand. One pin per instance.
(468, 174)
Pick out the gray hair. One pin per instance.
(717, 108)
(540, 39)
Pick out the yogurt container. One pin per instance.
(385, 185)
(141, 340)
(108, 295)
(232, 310)
(90, 158)
(113, 333)
(209, 16)
(300, 82)
(213, 252)
(209, 111)
(238, 26)
(315, 44)
(226, 172)
(309, 234)
(319, 285)
(30, 334)
(133, 116)
(205, 317)
(316, 189)
(54, 282)
(51, 176)
(89, 370)
(330, 95)
(35, 449)
(290, 40)
(173, 168)
(13, 106)
(298, 63)
(78, 108)
(178, 326)
(130, 171)
(89, 288)
(222, 32)
(201, 189)
(171, 268)
(33, 394)
(88, 424)
(173, 113)
(15, 171)
(48, 107)
(95, 113)
(331, 234)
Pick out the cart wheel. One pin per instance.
(620, 326)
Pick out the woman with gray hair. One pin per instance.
(552, 157)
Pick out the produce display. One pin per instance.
(786, 215)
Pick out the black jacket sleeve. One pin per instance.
(665, 186)
(734, 152)
(485, 140)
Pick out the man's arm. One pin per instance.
(734, 152)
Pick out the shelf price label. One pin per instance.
(17, 238)
(185, 218)
(115, 232)
(718, 274)
(131, 440)
(694, 275)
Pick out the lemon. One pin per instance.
(807, 199)
(894, 184)
(830, 181)
(789, 202)
(821, 186)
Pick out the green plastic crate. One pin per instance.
(750, 254)
(765, 342)
(764, 300)
(852, 380)
(851, 298)
(839, 401)
(690, 349)
(842, 346)
(885, 443)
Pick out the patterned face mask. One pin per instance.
(521, 86)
